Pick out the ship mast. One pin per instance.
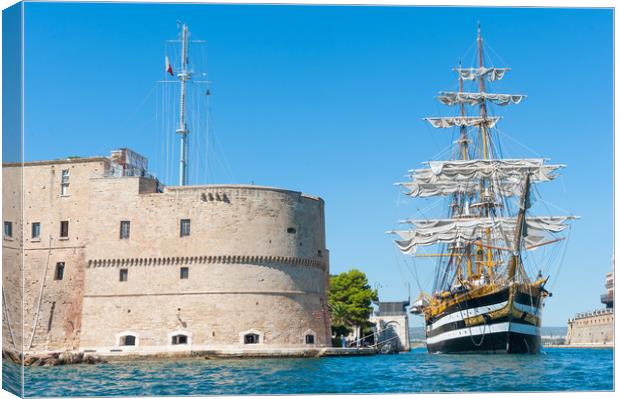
(463, 139)
(483, 107)
(183, 76)
(463, 146)
(515, 257)
(485, 155)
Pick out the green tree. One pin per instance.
(350, 301)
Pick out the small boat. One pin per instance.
(485, 298)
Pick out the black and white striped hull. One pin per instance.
(494, 323)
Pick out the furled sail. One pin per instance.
(463, 176)
(491, 74)
(471, 230)
(506, 188)
(446, 122)
(452, 98)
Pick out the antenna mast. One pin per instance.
(183, 76)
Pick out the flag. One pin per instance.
(169, 67)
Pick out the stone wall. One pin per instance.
(593, 329)
(12, 260)
(52, 308)
(392, 331)
(256, 260)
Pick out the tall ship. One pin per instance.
(486, 297)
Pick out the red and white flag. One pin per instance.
(169, 67)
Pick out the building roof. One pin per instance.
(392, 308)
(240, 186)
(71, 160)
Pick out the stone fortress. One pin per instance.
(595, 328)
(114, 263)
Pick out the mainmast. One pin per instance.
(183, 76)
(485, 201)
(483, 107)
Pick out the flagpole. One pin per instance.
(183, 76)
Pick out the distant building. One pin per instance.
(595, 327)
(115, 263)
(392, 326)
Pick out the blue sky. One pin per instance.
(329, 101)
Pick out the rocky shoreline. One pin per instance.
(74, 357)
(52, 358)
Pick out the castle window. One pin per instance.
(128, 340)
(8, 229)
(124, 229)
(60, 271)
(291, 230)
(64, 229)
(179, 339)
(123, 275)
(184, 227)
(309, 339)
(184, 273)
(251, 339)
(320, 253)
(36, 230)
(64, 182)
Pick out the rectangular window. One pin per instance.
(123, 275)
(184, 273)
(8, 229)
(36, 229)
(60, 271)
(179, 339)
(251, 339)
(64, 229)
(184, 227)
(124, 229)
(309, 339)
(64, 182)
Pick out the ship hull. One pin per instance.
(505, 321)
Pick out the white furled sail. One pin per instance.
(491, 74)
(453, 98)
(505, 176)
(447, 122)
(505, 188)
(477, 229)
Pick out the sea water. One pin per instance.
(557, 369)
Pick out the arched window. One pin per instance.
(179, 339)
(251, 338)
(127, 338)
(309, 339)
